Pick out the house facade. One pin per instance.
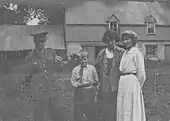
(90, 37)
(87, 28)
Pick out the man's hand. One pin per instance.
(58, 58)
(50, 58)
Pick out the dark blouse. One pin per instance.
(109, 64)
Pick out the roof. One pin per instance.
(96, 12)
(150, 19)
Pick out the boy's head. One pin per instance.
(83, 58)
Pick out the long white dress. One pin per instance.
(130, 103)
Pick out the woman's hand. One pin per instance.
(97, 98)
(76, 84)
(141, 83)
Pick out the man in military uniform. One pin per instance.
(43, 89)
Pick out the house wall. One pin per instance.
(162, 32)
(91, 53)
(90, 35)
(93, 33)
(160, 48)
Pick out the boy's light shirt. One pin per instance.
(89, 75)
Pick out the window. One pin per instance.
(113, 25)
(151, 28)
(151, 49)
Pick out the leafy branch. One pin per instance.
(24, 14)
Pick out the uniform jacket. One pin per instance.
(43, 83)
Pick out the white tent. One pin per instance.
(17, 37)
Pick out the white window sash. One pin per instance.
(149, 26)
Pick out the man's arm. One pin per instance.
(56, 57)
(29, 58)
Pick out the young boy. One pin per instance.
(84, 79)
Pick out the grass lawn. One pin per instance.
(157, 107)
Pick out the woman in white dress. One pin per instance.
(130, 103)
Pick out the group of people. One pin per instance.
(112, 89)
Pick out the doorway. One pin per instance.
(167, 52)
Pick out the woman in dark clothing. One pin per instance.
(107, 65)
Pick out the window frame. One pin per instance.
(114, 25)
(154, 51)
(149, 26)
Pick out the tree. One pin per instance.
(24, 14)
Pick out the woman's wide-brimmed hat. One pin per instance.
(110, 35)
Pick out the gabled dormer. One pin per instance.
(113, 23)
(150, 22)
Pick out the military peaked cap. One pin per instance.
(39, 37)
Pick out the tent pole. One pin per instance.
(2, 62)
(64, 29)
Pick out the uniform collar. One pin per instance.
(40, 51)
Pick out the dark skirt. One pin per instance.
(107, 106)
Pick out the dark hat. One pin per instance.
(110, 35)
(39, 37)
